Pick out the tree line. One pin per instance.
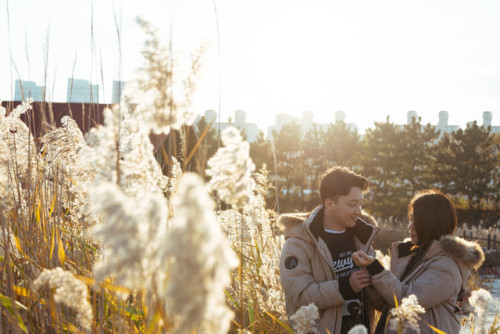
(398, 160)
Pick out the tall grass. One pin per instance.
(94, 238)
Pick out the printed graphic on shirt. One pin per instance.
(291, 262)
(343, 265)
(341, 246)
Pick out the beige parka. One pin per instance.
(306, 270)
(436, 280)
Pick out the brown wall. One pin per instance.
(86, 115)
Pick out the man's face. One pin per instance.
(345, 210)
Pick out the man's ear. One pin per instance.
(329, 203)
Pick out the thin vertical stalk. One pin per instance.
(220, 69)
(44, 88)
(276, 192)
(10, 53)
(242, 312)
(171, 144)
(118, 36)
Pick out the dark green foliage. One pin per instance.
(341, 145)
(469, 160)
(381, 162)
(398, 160)
(261, 152)
(290, 166)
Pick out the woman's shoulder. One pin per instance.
(463, 252)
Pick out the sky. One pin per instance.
(371, 59)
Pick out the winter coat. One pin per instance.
(306, 267)
(436, 279)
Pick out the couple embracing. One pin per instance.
(327, 259)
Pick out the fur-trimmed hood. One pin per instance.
(467, 252)
(438, 278)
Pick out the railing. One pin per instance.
(491, 240)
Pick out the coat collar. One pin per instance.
(294, 225)
(462, 251)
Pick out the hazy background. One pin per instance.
(368, 58)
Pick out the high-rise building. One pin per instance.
(80, 90)
(250, 129)
(117, 91)
(487, 121)
(443, 125)
(26, 89)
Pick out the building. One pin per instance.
(117, 91)
(83, 91)
(487, 119)
(251, 130)
(340, 117)
(443, 125)
(26, 89)
(306, 122)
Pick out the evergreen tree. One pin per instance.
(314, 163)
(468, 159)
(414, 150)
(341, 145)
(381, 161)
(476, 164)
(261, 152)
(289, 160)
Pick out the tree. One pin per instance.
(471, 164)
(415, 161)
(261, 152)
(289, 160)
(381, 161)
(496, 177)
(341, 145)
(314, 163)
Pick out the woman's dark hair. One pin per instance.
(338, 181)
(433, 216)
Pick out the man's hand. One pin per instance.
(359, 279)
(361, 259)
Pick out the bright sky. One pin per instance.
(368, 58)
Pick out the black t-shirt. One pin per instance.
(341, 246)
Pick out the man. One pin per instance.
(316, 264)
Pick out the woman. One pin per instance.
(434, 265)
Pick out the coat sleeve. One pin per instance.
(373, 295)
(434, 285)
(297, 278)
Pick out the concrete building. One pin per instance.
(443, 125)
(26, 89)
(251, 130)
(340, 117)
(487, 121)
(80, 90)
(306, 122)
(117, 91)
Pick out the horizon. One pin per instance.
(370, 61)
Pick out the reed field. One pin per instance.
(96, 239)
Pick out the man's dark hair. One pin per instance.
(433, 215)
(338, 181)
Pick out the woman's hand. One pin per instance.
(361, 259)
